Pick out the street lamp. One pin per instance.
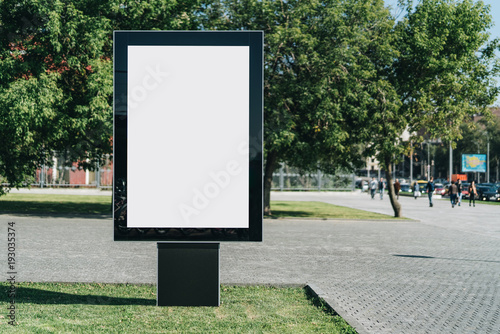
(477, 173)
(428, 142)
(428, 162)
(411, 162)
(487, 157)
(451, 161)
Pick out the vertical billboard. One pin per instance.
(474, 163)
(188, 115)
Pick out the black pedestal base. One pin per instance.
(188, 274)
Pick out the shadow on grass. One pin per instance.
(287, 214)
(68, 215)
(322, 305)
(39, 296)
(55, 208)
(319, 302)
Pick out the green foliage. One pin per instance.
(342, 80)
(28, 119)
(320, 60)
(56, 80)
(444, 74)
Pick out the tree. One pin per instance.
(320, 60)
(26, 108)
(56, 80)
(442, 76)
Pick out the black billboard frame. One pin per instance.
(252, 39)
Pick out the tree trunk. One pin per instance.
(390, 186)
(270, 167)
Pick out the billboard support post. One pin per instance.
(188, 274)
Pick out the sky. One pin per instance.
(494, 30)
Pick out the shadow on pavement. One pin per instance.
(442, 258)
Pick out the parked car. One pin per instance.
(443, 181)
(490, 194)
(439, 189)
(362, 184)
(405, 188)
(421, 186)
(480, 189)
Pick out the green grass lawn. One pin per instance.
(60, 204)
(119, 308)
(87, 204)
(284, 209)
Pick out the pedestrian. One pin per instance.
(381, 187)
(416, 190)
(472, 193)
(430, 190)
(453, 190)
(373, 187)
(459, 192)
(397, 188)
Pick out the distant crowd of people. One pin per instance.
(456, 193)
(374, 186)
(454, 190)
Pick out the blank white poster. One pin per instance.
(188, 130)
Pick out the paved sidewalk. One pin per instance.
(483, 219)
(440, 274)
(63, 191)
